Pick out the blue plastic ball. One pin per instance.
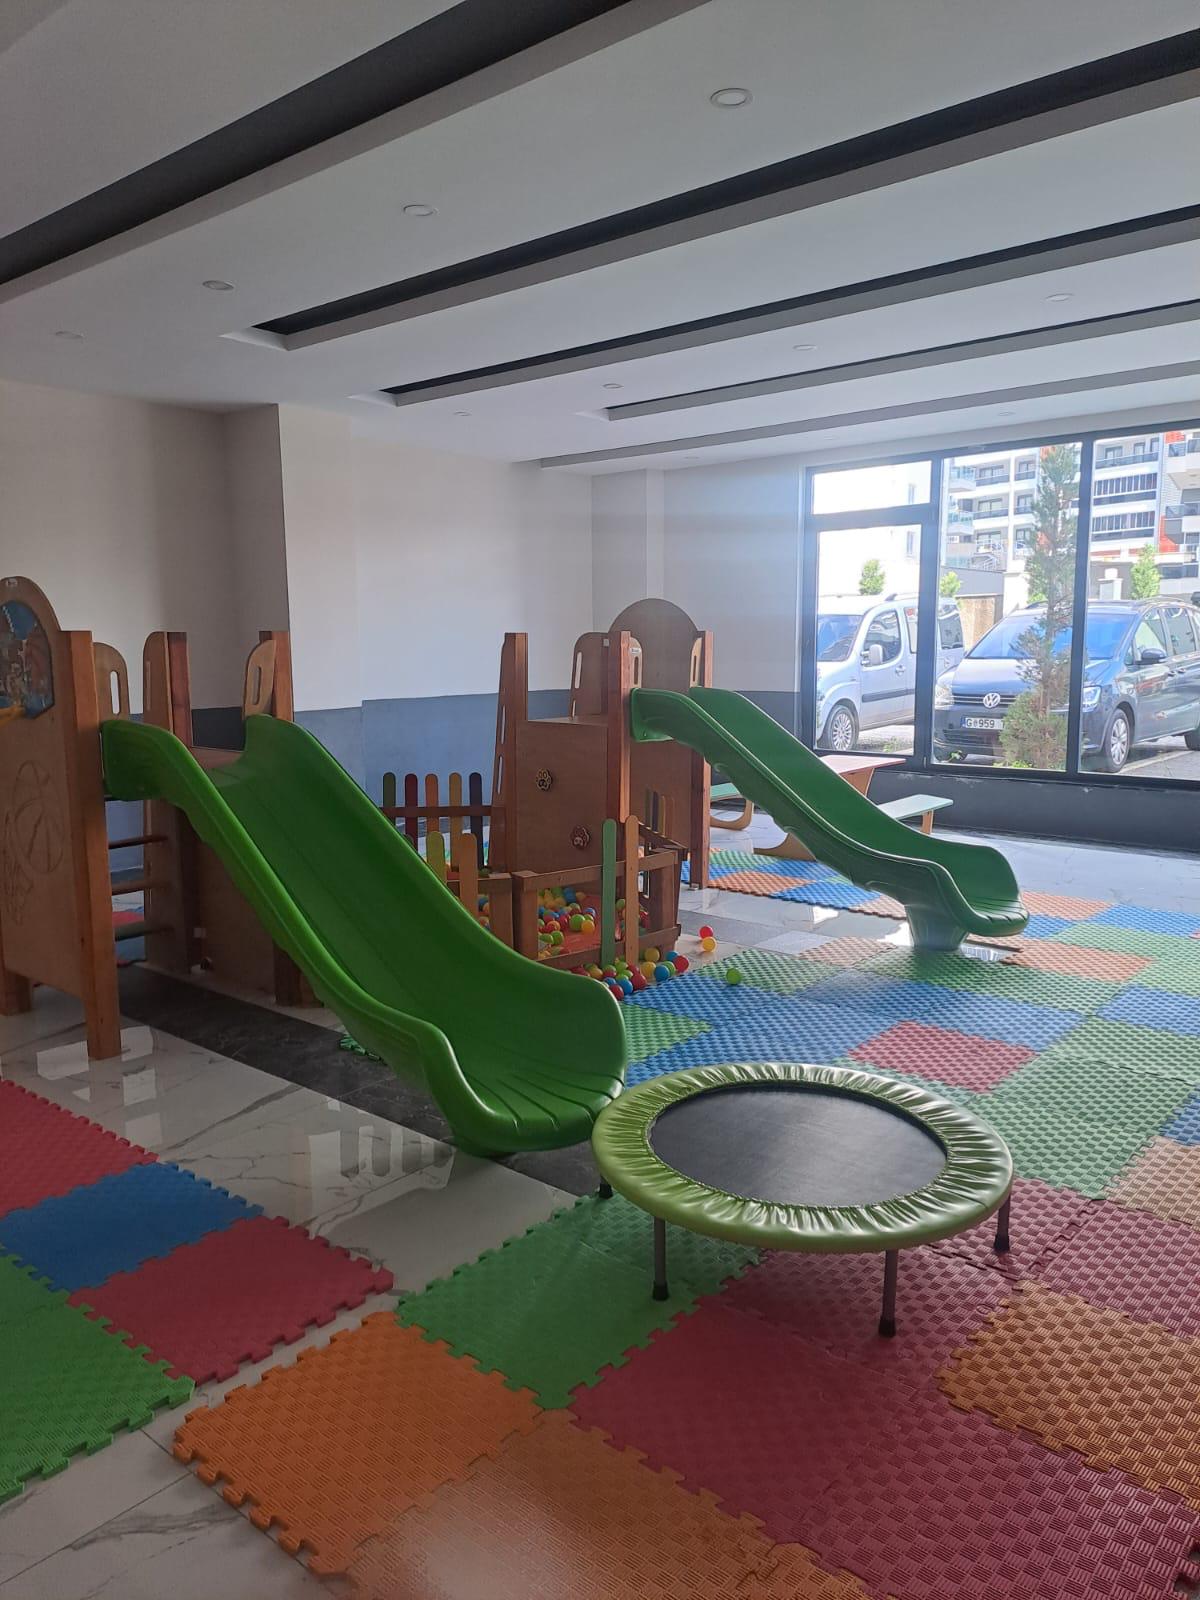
(662, 972)
(671, 955)
(626, 985)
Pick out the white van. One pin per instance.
(867, 662)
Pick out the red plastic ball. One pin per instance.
(706, 932)
(681, 963)
(638, 980)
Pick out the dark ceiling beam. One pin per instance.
(1098, 92)
(1132, 237)
(851, 419)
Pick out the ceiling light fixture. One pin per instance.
(218, 284)
(1057, 299)
(420, 211)
(462, 413)
(804, 347)
(614, 385)
(66, 333)
(727, 99)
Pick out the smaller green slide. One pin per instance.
(517, 1056)
(948, 889)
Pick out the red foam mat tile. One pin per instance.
(962, 1059)
(233, 1296)
(1133, 1262)
(882, 1478)
(1041, 1217)
(46, 1151)
(833, 1301)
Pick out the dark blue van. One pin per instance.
(1141, 681)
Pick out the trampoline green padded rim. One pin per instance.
(973, 1184)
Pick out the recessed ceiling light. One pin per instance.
(728, 98)
(1006, 413)
(420, 211)
(1057, 299)
(217, 283)
(66, 333)
(614, 385)
(462, 413)
(804, 347)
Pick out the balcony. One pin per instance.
(1132, 458)
(1183, 462)
(960, 479)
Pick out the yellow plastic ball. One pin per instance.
(653, 955)
(708, 945)
(647, 971)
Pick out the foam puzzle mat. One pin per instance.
(123, 1279)
(1029, 1434)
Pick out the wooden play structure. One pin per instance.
(56, 889)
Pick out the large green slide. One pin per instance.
(948, 889)
(516, 1055)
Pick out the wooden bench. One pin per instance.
(918, 808)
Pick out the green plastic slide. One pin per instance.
(516, 1055)
(948, 889)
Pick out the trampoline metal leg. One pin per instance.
(605, 1191)
(660, 1259)
(1000, 1245)
(887, 1322)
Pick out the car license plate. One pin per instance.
(983, 722)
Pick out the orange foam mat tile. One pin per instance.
(1045, 904)
(1164, 1179)
(1078, 1377)
(559, 1514)
(1080, 961)
(334, 1448)
(792, 1574)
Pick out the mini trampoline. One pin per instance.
(788, 1157)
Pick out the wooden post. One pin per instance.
(412, 824)
(475, 801)
(512, 710)
(498, 886)
(93, 884)
(282, 704)
(454, 785)
(467, 869)
(701, 785)
(620, 684)
(608, 892)
(389, 795)
(169, 863)
(630, 890)
(525, 917)
(435, 854)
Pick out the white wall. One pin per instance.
(627, 541)
(453, 553)
(256, 513)
(118, 509)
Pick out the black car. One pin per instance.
(1141, 681)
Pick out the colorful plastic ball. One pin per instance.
(576, 924)
(594, 971)
(615, 989)
(647, 970)
(589, 925)
(638, 979)
(626, 985)
(708, 944)
(681, 963)
(556, 937)
(653, 955)
(610, 972)
(662, 972)
(706, 932)
(569, 896)
(671, 968)
(732, 975)
(671, 955)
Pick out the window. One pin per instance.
(950, 628)
(1023, 502)
(869, 488)
(884, 635)
(910, 618)
(1124, 522)
(997, 506)
(910, 542)
(1179, 627)
(1142, 483)
(1150, 635)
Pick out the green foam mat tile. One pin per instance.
(647, 1032)
(625, 1232)
(1108, 1093)
(1108, 936)
(771, 970)
(66, 1387)
(1063, 1150)
(545, 1311)
(22, 1292)
(1178, 972)
(1129, 1044)
(1030, 985)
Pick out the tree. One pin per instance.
(949, 586)
(871, 578)
(1144, 576)
(1035, 728)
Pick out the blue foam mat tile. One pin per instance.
(1155, 1008)
(799, 1032)
(1040, 927)
(700, 999)
(828, 893)
(1148, 920)
(1184, 1126)
(773, 866)
(963, 1010)
(80, 1239)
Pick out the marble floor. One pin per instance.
(264, 1102)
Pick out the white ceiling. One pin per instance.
(98, 88)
